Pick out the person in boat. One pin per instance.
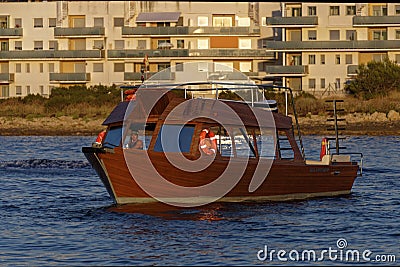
(135, 142)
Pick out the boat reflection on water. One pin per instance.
(210, 212)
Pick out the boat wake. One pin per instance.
(44, 164)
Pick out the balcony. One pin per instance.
(69, 77)
(79, 32)
(292, 21)
(136, 76)
(167, 31)
(375, 21)
(293, 70)
(6, 78)
(352, 70)
(59, 54)
(377, 45)
(11, 32)
(259, 53)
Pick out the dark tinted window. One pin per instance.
(174, 138)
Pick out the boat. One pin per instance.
(208, 133)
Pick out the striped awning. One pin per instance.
(158, 17)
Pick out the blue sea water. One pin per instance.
(55, 211)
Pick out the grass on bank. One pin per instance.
(98, 101)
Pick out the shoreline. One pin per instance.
(354, 124)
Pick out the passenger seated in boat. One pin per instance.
(135, 142)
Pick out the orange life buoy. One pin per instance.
(324, 148)
(100, 137)
(130, 94)
(208, 142)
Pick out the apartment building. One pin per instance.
(321, 44)
(47, 44)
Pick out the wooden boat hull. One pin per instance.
(286, 179)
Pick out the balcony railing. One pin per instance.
(293, 69)
(375, 20)
(81, 31)
(69, 77)
(136, 76)
(17, 54)
(332, 45)
(190, 53)
(185, 30)
(292, 21)
(11, 32)
(6, 77)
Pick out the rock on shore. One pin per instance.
(354, 124)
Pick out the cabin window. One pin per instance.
(265, 143)
(144, 134)
(174, 138)
(244, 143)
(224, 141)
(284, 147)
(113, 137)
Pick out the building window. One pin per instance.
(311, 83)
(141, 44)
(322, 59)
(334, 35)
(337, 59)
(52, 22)
(378, 57)
(41, 67)
(41, 88)
(53, 45)
(351, 35)
(264, 21)
(18, 45)
(179, 66)
(27, 67)
(350, 10)
(349, 59)
(380, 10)
(98, 44)
(296, 12)
(163, 66)
(38, 45)
(202, 44)
(244, 43)
(51, 67)
(397, 35)
(312, 35)
(38, 22)
(118, 22)
(334, 11)
(398, 58)
(379, 34)
(245, 66)
(202, 21)
(18, 22)
(180, 43)
(119, 44)
(97, 67)
(322, 83)
(5, 91)
(18, 90)
(312, 10)
(337, 83)
(119, 67)
(98, 22)
(397, 9)
(28, 89)
(311, 59)
(18, 68)
(222, 21)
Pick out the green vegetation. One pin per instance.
(375, 79)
